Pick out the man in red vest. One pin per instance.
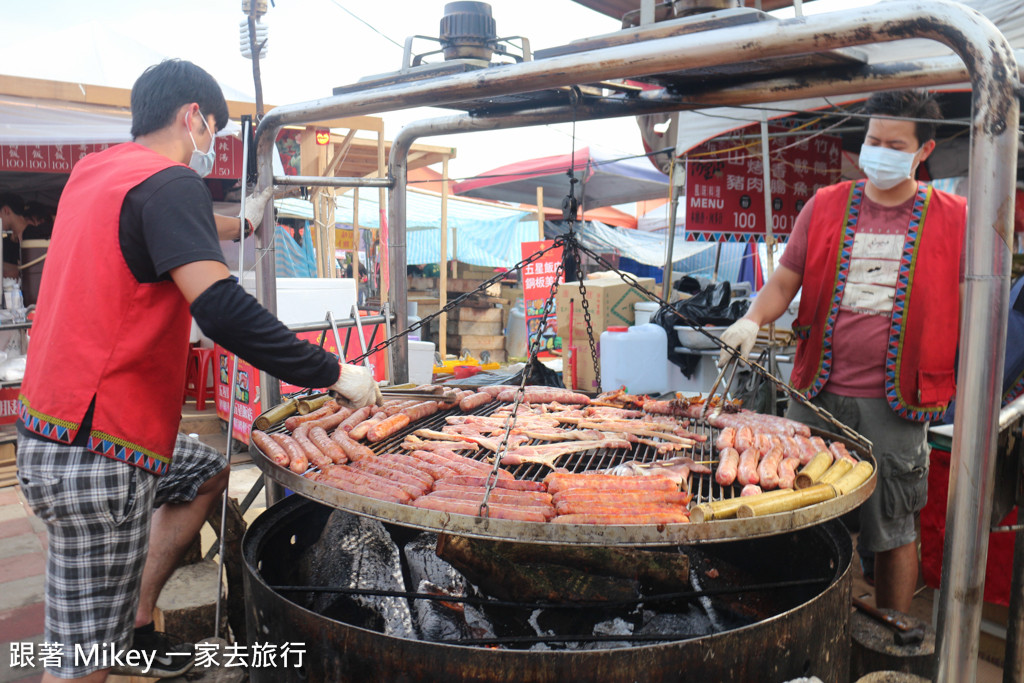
(880, 264)
(134, 255)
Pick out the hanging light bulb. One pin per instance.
(245, 46)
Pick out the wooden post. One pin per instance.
(540, 213)
(355, 237)
(442, 288)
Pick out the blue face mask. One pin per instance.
(202, 162)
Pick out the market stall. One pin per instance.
(693, 55)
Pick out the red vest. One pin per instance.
(924, 327)
(101, 334)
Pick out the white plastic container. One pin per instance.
(643, 311)
(421, 362)
(307, 299)
(515, 331)
(634, 357)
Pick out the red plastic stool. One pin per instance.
(198, 372)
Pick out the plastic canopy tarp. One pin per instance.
(605, 180)
(698, 127)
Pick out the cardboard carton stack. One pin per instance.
(611, 303)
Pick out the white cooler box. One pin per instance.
(307, 299)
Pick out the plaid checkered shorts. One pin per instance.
(97, 513)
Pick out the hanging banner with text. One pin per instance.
(538, 277)
(725, 182)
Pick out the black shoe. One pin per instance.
(170, 656)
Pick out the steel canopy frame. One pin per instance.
(993, 72)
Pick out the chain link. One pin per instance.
(574, 244)
(492, 478)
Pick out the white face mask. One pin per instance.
(202, 162)
(885, 168)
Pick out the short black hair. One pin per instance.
(163, 88)
(38, 211)
(910, 104)
(13, 201)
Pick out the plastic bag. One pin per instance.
(713, 306)
(755, 390)
(710, 306)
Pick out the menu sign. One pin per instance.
(538, 278)
(725, 182)
(62, 158)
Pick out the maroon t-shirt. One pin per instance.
(862, 326)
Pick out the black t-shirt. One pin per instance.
(166, 222)
(12, 250)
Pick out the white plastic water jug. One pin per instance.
(634, 357)
(515, 331)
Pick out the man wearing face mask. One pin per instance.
(880, 264)
(134, 252)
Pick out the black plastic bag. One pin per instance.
(754, 390)
(710, 306)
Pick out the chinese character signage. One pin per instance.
(538, 277)
(725, 182)
(61, 158)
(247, 386)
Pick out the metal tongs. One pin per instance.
(435, 394)
(734, 363)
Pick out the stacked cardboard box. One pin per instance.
(611, 304)
(476, 330)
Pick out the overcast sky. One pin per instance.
(314, 45)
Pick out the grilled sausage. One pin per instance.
(298, 462)
(746, 472)
(511, 484)
(323, 411)
(362, 483)
(728, 465)
(768, 469)
(358, 433)
(413, 485)
(399, 406)
(744, 439)
(354, 450)
(546, 395)
(494, 510)
(505, 494)
(750, 490)
(355, 418)
(387, 427)
(626, 498)
(315, 455)
(469, 465)
(726, 438)
(575, 507)
(474, 401)
(331, 421)
(423, 477)
(787, 472)
(332, 449)
(618, 518)
(477, 497)
(558, 481)
(434, 471)
(456, 466)
(421, 410)
(270, 448)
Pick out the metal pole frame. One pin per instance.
(993, 72)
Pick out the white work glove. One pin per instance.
(741, 335)
(255, 204)
(356, 388)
